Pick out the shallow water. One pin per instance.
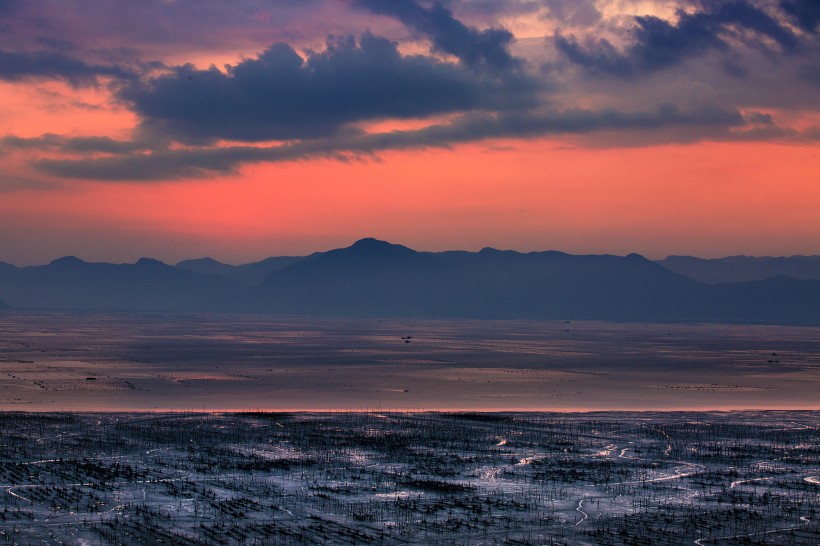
(117, 362)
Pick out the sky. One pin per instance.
(245, 129)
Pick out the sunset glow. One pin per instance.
(521, 130)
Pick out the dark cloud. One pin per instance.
(598, 56)
(752, 18)
(278, 95)
(658, 44)
(182, 163)
(15, 66)
(81, 145)
(478, 49)
(565, 122)
(167, 163)
(805, 12)
(316, 102)
(158, 165)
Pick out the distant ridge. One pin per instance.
(743, 268)
(373, 277)
(71, 283)
(206, 265)
(251, 273)
(370, 277)
(377, 278)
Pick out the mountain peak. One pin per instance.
(366, 253)
(206, 261)
(149, 262)
(66, 261)
(368, 242)
(370, 245)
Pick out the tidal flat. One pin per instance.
(706, 478)
(155, 362)
(236, 429)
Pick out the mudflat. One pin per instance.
(666, 478)
(147, 362)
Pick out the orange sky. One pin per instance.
(706, 199)
(698, 190)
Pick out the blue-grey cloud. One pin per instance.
(16, 66)
(316, 103)
(205, 161)
(280, 95)
(805, 12)
(78, 145)
(597, 56)
(658, 44)
(478, 49)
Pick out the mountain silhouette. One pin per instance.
(743, 268)
(559, 285)
(779, 299)
(208, 266)
(369, 277)
(71, 283)
(251, 273)
(374, 277)
(378, 278)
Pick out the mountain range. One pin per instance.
(743, 268)
(377, 278)
(252, 273)
(147, 285)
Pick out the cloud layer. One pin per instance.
(657, 44)
(460, 71)
(280, 95)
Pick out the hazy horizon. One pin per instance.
(176, 259)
